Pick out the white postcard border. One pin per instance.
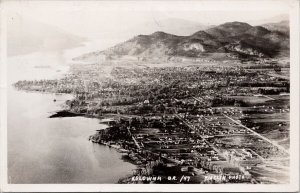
(294, 135)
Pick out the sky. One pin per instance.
(94, 19)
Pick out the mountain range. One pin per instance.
(26, 35)
(236, 39)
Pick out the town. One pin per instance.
(215, 123)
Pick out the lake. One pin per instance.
(43, 150)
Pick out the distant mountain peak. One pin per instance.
(158, 33)
(228, 29)
(200, 34)
(236, 27)
(282, 26)
(161, 34)
(285, 22)
(236, 23)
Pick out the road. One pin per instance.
(268, 97)
(257, 134)
(197, 99)
(136, 143)
(279, 76)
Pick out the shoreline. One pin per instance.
(64, 112)
(123, 152)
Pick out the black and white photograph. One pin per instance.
(168, 94)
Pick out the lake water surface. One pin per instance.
(44, 150)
